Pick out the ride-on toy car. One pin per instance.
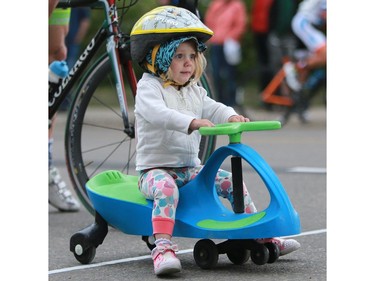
(119, 203)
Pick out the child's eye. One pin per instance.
(182, 56)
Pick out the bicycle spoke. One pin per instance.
(105, 160)
(102, 127)
(107, 106)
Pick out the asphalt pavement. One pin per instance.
(297, 153)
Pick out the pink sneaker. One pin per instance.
(286, 246)
(165, 260)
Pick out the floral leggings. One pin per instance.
(161, 186)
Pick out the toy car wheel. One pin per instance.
(238, 256)
(260, 255)
(206, 254)
(86, 256)
(274, 252)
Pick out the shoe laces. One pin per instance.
(57, 181)
(162, 246)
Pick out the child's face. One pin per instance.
(183, 62)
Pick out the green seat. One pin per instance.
(114, 184)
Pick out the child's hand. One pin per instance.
(238, 118)
(197, 123)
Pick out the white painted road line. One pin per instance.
(80, 267)
(311, 170)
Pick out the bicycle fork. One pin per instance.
(114, 45)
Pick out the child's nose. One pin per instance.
(188, 59)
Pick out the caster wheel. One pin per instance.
(238, 256)
(274, 252)
(206, 254)
(150, 242)
(84, 256)
(260, 255)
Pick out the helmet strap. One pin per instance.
(151, 67)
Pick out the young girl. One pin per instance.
(170, 107)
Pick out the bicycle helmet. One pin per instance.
(161, 25)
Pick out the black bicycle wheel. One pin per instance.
(95, 110)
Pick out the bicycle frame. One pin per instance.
(108, 32)
(268, 94)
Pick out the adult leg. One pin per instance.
(230, 83)
(217, 59)
(59, 195)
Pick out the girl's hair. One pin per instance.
(200, 66)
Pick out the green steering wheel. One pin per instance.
(235, 129)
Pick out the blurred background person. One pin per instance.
(228, 20)
(270, 25)
(59, 194)
(260, 29)
(79, 25)
(309, 24)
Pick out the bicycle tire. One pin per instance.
(94, 110)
